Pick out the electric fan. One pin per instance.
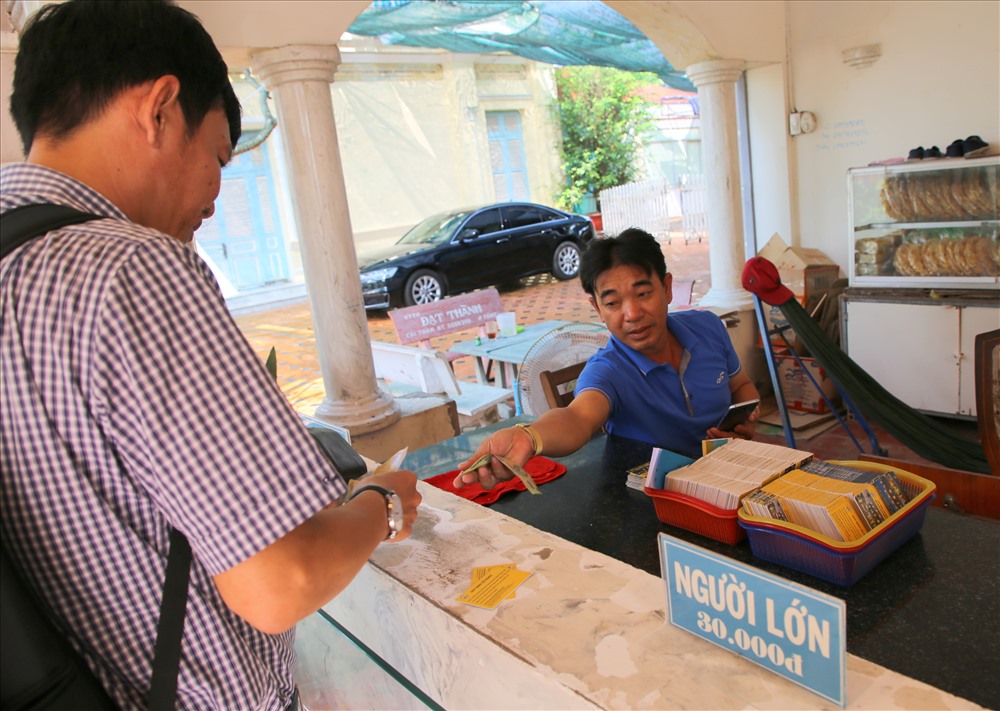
(562, 346)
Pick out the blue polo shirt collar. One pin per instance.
(684, 335)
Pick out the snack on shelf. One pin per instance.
(874, 255)
(879, 246)
(973, 255)
(890, 193)
(944, 195)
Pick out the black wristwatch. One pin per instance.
(393, 508)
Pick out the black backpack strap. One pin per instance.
(167, 654)
(26, 222)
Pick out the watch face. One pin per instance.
(395, 514)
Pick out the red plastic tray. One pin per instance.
(696, 515)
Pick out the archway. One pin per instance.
(305, 23)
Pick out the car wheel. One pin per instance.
(566, 261)
(423, 287)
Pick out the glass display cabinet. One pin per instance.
(928, 224)
(925, 278)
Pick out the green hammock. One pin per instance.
(919, 432)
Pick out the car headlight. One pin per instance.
(378, 276)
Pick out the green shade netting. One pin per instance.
(561, 32)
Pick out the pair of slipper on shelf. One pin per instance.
(970, 147)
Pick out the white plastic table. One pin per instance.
(507, 351)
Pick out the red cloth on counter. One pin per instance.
(540, 469)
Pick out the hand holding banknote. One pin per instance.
(501, 457)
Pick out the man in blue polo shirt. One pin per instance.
(663, 381)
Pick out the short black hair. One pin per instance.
(634, 247)
(75, 57)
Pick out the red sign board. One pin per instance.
(439, 318)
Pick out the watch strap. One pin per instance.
(374, 487)
(390, 503)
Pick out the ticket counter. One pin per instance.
(588, 630)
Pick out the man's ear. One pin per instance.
(593, 302)
(160, 108)
(668, 286)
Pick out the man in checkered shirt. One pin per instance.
(130, 401)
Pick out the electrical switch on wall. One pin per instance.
(801, 122)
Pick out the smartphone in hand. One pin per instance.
(736, 415)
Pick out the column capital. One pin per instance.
(295, 63)
(715, 71)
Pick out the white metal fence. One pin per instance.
(656, 206)
(694, 217)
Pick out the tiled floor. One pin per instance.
(290, 331)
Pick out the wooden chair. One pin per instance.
(682, 290)
(558, 384)
(987, 365)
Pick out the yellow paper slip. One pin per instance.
(491, 585)
(479, 574)
(486, 571)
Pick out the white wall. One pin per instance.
(413, 138)
(10, 143)
(938, 79)
(396, 148)
(771, 167)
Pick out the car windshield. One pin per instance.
(435, 229)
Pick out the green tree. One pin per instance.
(602, 115)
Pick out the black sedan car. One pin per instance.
(472, 248)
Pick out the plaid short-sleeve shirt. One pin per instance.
(130, 403)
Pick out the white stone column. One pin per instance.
(299, 78)
(716, 83)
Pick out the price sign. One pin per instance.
(787, 628)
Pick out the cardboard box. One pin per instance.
(793, 262)
(799, 392)
(807, 272)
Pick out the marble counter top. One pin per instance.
(584, 631)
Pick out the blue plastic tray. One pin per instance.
(835, 561)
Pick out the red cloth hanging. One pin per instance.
(541, 470)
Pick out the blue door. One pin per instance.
(510, 174)
(244, 237)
